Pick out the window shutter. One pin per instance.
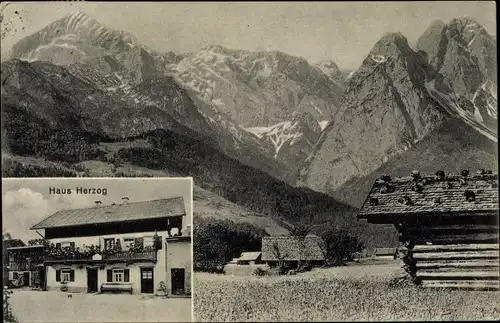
(11, 275)
(58, 245)
(58, 275)
(72, 275)
(126, 275)
(109, 275)
(72, 245)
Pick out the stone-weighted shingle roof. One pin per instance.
(452, 194)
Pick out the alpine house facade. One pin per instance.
(135, 247)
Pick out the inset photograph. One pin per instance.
(97, 250)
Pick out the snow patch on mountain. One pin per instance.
(278, 134)
(323, 124)
(378, 58)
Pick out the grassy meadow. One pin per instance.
(358, 293)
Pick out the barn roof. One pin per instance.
(130, 211)
(432, 195)
(292, 248)
(250, 256)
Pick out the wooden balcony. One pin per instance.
(125, 256)
(131, 256)
(22, 266)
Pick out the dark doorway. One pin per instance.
(147, 280)
(178, 281)
(26, 278)
(92, 280)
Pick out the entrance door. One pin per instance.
(26, 278)
(178, 281)
(147, 280)
(92, 280)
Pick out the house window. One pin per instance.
(148, 241)
(128, 243)
(65, 245)
(65, 275)
(109, 244)
(118, 275)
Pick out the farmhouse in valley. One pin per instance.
(246, 264)
(291, 250)
(25, 266)
(447, 223)
(135, 247)
(250, 258)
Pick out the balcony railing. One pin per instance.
(22, 266)
(124, 255)
(67, 257)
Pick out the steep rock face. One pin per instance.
(385, 111)
(56, 95)
(263, 92)
(452, 147)
(290, 141)
(463, 55)
(259, 89)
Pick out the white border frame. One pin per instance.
(191, 195)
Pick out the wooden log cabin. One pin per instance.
(447, 224)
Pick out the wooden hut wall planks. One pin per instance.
(447, 224)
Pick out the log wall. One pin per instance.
(452, 256)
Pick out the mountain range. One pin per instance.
(296, 128)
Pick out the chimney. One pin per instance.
(125, 199)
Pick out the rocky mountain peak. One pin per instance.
(331, 70)
(465, 22)
(329, 65)
(392, 44)
(76, 31)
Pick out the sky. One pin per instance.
(343, 32)
(26, 201)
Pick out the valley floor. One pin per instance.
(350, 293)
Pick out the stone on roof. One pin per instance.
(433, 195)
